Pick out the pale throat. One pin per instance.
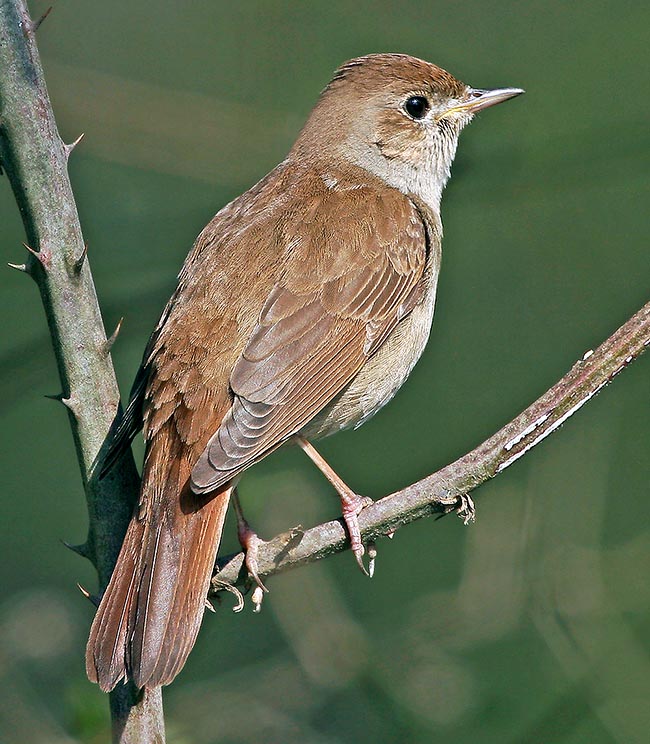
(424, 179)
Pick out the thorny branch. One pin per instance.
(447, 489)
(35, 160)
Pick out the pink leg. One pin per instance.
(249, 540)
(351, 503)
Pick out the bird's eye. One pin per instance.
(416, 107)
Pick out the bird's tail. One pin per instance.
(151, 611)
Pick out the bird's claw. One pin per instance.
(257, 596)
(371, 551)
(224, 586)
(372, 554)
(359, 552)
(353, 504)
(251, 543)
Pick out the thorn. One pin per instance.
(70, 403)
(391, 533)
(36, 24)
(209, 606)
(43, 256)
(79, 262)
(88, 595)
(81, 550)
(58, 398)
(20, 267)
(69, 148)
(108, 344)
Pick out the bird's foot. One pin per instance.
(224, 586)
(250, 542)
(352, 505)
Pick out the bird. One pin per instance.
(299, 312)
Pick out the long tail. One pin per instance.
(151, 611)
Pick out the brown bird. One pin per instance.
(300, 311)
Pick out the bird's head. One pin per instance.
(398, 117)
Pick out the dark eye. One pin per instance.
(416, 107)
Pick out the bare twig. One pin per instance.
(35, 160)
(445, 490)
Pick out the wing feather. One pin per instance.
(316, 332)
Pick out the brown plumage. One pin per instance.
(301, 309)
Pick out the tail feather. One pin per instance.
(181, 634)
(173, 625)
(155, 596)
(151, 612)
(109, 633)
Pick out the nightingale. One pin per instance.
(300, 311)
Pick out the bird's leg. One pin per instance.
(351, 502)
(249, 540)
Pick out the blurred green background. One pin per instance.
(530, 626)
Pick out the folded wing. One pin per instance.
(332, 309)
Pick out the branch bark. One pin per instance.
(35, 160)
(446, 489)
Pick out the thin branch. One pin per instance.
(35, 160)
(444, 491)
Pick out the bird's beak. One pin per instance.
(477, 99)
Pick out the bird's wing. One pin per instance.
(332, 309)
(183, 376)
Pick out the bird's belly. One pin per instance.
(381, 376)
